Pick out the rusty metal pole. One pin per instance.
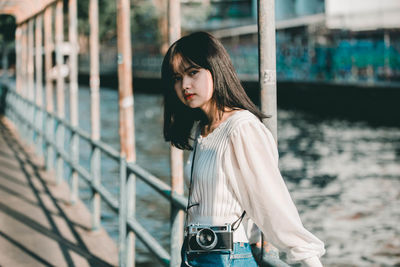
(95, 166)
(59, 35)
(39, 79)
(73, 92)
(126, 107)
(48, 47)
(176, 155)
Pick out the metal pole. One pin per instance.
(73, 90)
(122, 213)
(48, 47)
(267, 78)
(25, 84)
(59, 25)
(177, 215)
(127, 132)
(30, 62)
(18, 33)
(95, 165)
(27, 87)
(39, 79)
(22, 75)
(30, 71)
(23, 60)
(26, 107)
(267, 62)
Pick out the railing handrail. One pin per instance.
(156, 183)
(162, 188)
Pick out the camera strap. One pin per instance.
(189, 205)
(238, 221)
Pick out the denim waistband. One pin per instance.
(241, 250)
(241, 256)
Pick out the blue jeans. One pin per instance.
(240, 257)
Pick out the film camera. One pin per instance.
(206, 238)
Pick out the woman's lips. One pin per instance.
(188, 96)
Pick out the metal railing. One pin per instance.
(46, 127)
(33, 128)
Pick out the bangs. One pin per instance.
(178, 63)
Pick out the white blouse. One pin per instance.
(236, 169)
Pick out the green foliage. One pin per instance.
(144, 21)
(107, 18)
(7, 28)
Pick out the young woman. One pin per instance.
(232, 171)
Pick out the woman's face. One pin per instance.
(194, 86)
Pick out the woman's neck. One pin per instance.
(215, 118)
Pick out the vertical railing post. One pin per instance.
(126, 104)
(73, 90)
(21, 72)
(39, 79)
(24, 66)
(27, 84)
(177, 216)
(18, 33)
(267, 81)
(30, 72)
(267, 62)
(59, 36)
(23, 59)
(48, 47)
(122, 213)
(18, 60)
(95, 165)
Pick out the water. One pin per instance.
(343, 176)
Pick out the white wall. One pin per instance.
(362, 14)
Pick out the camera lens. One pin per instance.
(206, 238)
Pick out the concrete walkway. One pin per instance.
(37, 225)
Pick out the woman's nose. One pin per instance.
(186, 83)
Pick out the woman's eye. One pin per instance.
(193, 72)
(177, 78)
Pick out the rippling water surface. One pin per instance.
(343, 176)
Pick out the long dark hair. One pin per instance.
(201, 50)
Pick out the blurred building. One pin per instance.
(317, 40)
(345, 41)
(362, 15)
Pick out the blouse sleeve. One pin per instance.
(251, 164)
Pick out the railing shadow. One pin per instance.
(39, 187)
(24, 249)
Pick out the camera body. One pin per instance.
(207, 238)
